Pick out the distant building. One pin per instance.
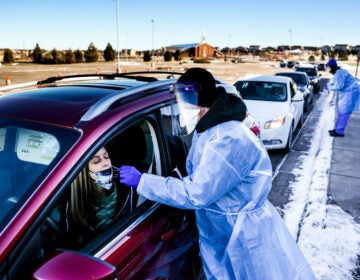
(342, 47)
(254, 49)
(326, 50)
(355, 49)
(202, 49)
(268, 49)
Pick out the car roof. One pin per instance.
(306, 66)
(291, 72)
(72, 102)
(267, 78)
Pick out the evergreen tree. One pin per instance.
(91, 54)
(177, 56)
(109, 53)
(37, 54)
(79, 57)
(147, 56)
(54, 55)
(8, 56)
(168, 56)
(69, 56)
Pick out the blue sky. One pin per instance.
(74, 24)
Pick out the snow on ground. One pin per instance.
(328, 236)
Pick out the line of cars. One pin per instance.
(278, 102)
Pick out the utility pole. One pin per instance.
(357, 65)
(118, 70)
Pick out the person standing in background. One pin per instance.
(348, 89)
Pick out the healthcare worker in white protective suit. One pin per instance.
(348, 89)
(241, 235)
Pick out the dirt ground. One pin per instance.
(19, 73)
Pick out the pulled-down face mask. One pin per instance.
(104, 178)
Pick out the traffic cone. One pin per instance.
(7, 80)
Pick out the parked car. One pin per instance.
(303, 84)
(236, 60)
(47, 137)
(283, 63)
(277, 104)
(321, 66)
(313, 74)
(290, 64)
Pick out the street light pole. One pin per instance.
(229, 50)
(118, 70)
(152, 37)
(290, 39)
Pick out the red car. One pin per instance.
(47, 137)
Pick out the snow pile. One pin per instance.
(328, 236)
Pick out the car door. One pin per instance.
(157, 238)
(152, 241)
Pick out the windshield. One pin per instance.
(27, 154)
(309, 71)
(299, 79)
(265, 91)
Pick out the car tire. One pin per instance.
(307, 106)
(301, 121)
(289, 141)
(317, 88)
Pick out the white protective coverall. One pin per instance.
(348, 89)
(241, 235)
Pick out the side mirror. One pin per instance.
(75, 265)
(297, 98)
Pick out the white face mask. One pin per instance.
(189, 118)
(104, 178)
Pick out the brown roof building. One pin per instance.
(202, 49)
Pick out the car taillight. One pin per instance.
(256, 130)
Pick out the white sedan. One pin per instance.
(276, 103)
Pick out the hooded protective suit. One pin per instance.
(241, 235)
(349, 96)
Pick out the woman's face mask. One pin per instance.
(104, 178)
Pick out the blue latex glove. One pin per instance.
(129, 176)
(326, 87)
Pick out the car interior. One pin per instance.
(137, 145)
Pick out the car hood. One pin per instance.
(263, 111)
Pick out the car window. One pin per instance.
(309, 71)
(177, 141)
(264, 91)
(70, 222)
(137, 146)
(299, 79)
(27, 155)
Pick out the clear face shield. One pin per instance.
(187, 94)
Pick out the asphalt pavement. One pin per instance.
(344, 174)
